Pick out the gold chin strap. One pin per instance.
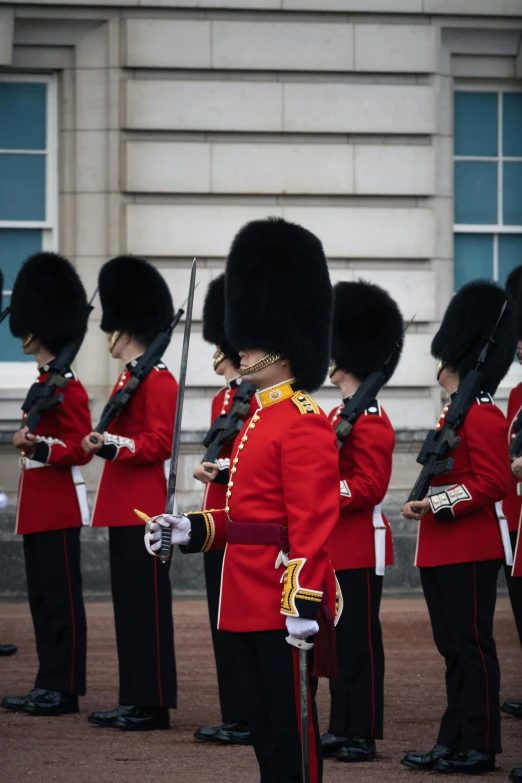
(441, 366)
(266, 361)
(115, 336)
(28, 340)
(332, 370)
(219, 358)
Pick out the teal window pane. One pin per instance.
(476, 123)
(512, 124)
(473, 258)
(509, 254)
(475, 192)
(15, 246)
(23, 115)
(512, 194)
(22, 187)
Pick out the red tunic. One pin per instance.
(285, 472)
(47, 498)
(138, 444)
(365, 465)
(214, 496)
(464, 527)
(512, 504)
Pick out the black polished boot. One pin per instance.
(357, 749)
(8, 649)
(515, 776)
(207, 733)
(468, 761)
(143, 719)
(425, 761)
(233, 734)
(332, 744)
(512, 708)
(108, 719)
(51, 703)
(17, 703)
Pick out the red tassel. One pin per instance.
(325, 645)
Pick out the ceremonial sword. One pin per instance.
(171, 505)
(304, 699)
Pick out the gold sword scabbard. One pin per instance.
(164, 534)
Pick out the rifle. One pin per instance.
(365, 394)
(144, 365)
(42, 397)
(434, 454)
(227, 426)
(4, 314)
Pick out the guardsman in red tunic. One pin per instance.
(48, 311)
(460, 544)
(215, 477)
(513, 503)
(366, 327)
(137, 304)
(283, 494)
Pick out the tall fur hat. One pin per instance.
(367, 323)
(214, 319)
(468, 322)
(49, 301)
(135, 298)
(279, 296)
(514, 288)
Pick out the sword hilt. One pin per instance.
(301, 644)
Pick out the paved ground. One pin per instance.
(68, 750)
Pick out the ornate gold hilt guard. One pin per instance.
(166, 544)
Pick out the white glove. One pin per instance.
(180, 534)
(300, 627)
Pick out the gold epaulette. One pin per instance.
(305, 403)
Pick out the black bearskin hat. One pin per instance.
(468, 322)
(279, 296)
(514, 288)
(214, 319)
(49, 301)
(367, 323)
(135, 298)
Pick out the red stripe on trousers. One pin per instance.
(480, 650)
(314, 773)
(370, 644)
(73, 618)
(158, 654)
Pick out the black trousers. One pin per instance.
(269, 672)
(230, 694)
(514, 584)
(357, 693)
(54, 585)
(142, 599)
(461, 602)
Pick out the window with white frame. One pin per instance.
(28, 181)
(488, 184)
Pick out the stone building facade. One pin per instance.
(391, 128)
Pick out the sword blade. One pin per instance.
(304, 685)
(170, 507)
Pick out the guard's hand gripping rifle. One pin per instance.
(434, 454)
(42, 397)
(227, 426)
(365, 394)
(144, 365)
